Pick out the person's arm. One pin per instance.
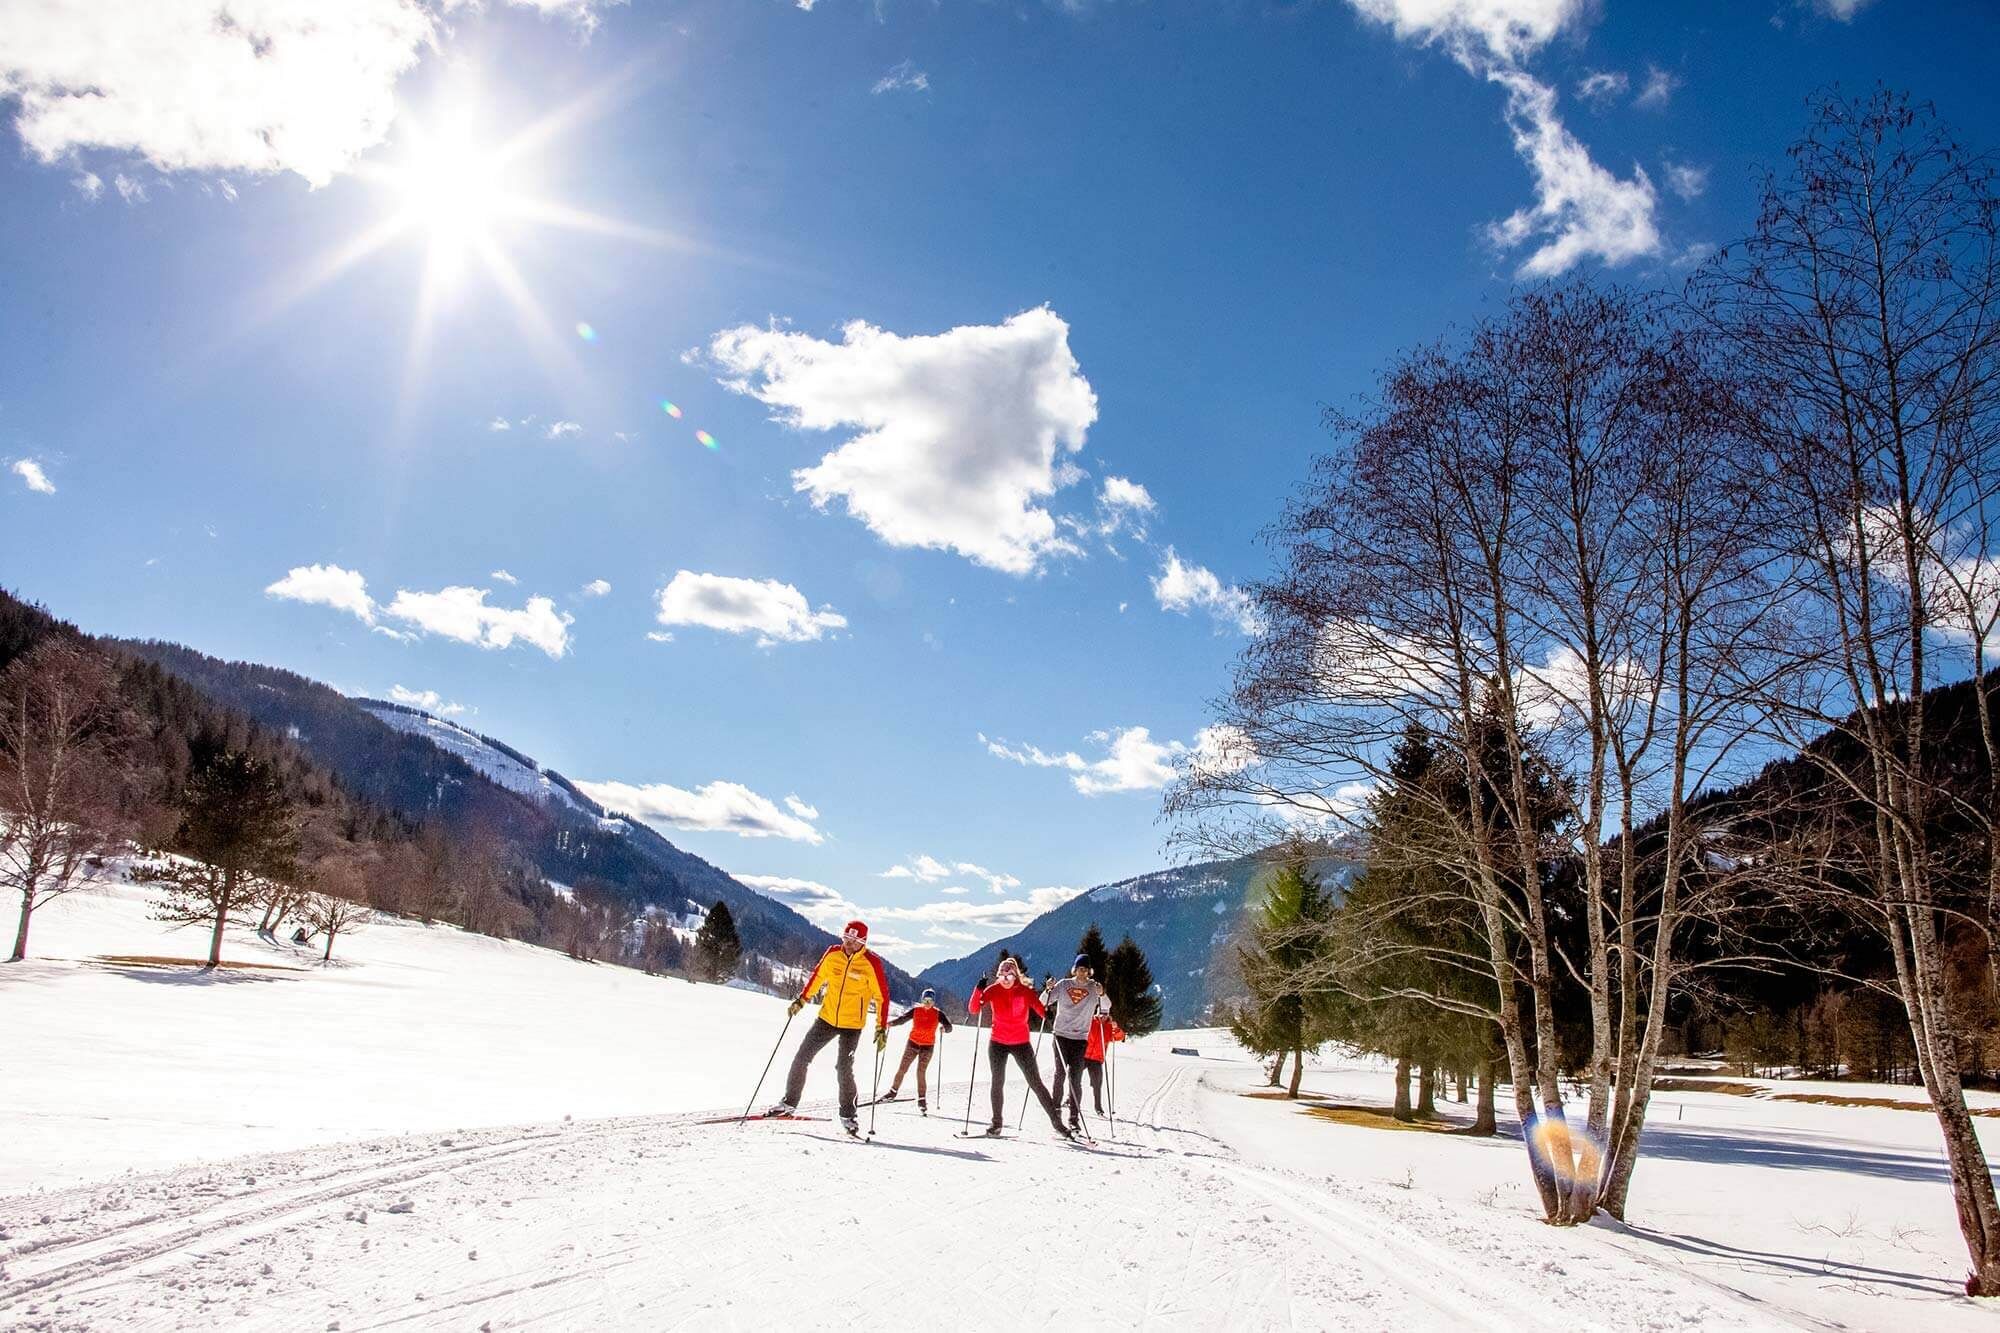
(978, 998)
(1036, 1006)
(943, 1021)
(880, 980)
(898, 1022)
(1103, 998)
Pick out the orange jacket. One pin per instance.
(1102, 1033)
(923, 1021)
(850, 982)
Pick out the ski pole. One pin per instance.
(876, 1094)
(767, 1068)
(1028, 1091)
(1111, 1098)
(972, 1078)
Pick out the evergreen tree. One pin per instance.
(1091, 946)
(237, 832)
(1134, 1005)
(1287, 941)
(716, 946)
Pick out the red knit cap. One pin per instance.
(858, 927)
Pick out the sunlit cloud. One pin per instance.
(31, 475)
(963, 435)
(714, 807)
(596, 588)
(1185, 587)
(905, 77)
(455, 613)
(1129, 759)
(775, 612)
(428, 700)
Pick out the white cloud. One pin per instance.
(327, 585)
(1184, 587)
(1689, 182)
(813, 900)
(499, 424)
(1120, 493)
(31, 475)
(88, 184)
(905, 77)
(958, 889)
(1580, 210)
(995, 881)
(502, 576)
(596, 588)
(428, 700)
(921, 866)
(715, 807)
(462, 614)
(132, 191)
(1600, 87)
(1132, 760)
(955, 920)
(1843, 10)
(561, 430)
(962, 434)
(257, 86)
(775, 612)
(800, 808)
(1659, 88)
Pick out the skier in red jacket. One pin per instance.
(1103, 1031)
(1010, 1000)
(924, 1018)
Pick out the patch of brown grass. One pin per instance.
(155, 960)
(1267, 1095)
(1721, 1085)
(1378, 1117)
(1887, 1103)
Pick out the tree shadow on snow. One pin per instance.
(1820, 1266)
(187, 976)
(1799, 1153)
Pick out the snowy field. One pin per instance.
(453, 1132)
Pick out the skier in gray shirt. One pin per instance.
(1075, 1000)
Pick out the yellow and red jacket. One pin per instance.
(851, 983)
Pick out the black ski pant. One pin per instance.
(1024, 1056)
(1069, 1067)
(921, 1057)
(1096, 1069)
(820, 1034)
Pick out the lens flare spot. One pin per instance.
(707, 440)
(1568, 1150)
(670, 409)
(585, 332)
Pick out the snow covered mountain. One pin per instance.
(1186, 919)
(496, 762)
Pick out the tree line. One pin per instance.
(1612, 628)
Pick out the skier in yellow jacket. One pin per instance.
(849, 979)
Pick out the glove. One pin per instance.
(984, 982)
(881, 1039)
(797, 1005)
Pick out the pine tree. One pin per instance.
(1135, 1006)
(1287, 940)
(716, 946)
(1091, 946)
(236, 831)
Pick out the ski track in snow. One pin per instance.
(660, 1222)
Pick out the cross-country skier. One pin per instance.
(1104, 1030)
(924, 1018)
(1010, 1000)
(849, 979)
(1078, 1001)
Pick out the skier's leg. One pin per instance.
(909, 1054)
(996, 1063)
(817, 1036)
(923, 1069)
(1072, 1063)
(1096, 1068)
(850, 1038)
(1024, 1055)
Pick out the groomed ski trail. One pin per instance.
(664, 1222)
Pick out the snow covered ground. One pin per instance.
(386, 1142)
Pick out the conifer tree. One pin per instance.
(1287, 938)
(1134, 1004)
(236, 831)
(716, 946)
(1091, 946)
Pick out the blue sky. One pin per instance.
(1011, 325)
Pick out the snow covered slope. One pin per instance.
(500, 766)
(447, 1131)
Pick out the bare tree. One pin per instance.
(63, 769)
(332, 915)
(1866, 308)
